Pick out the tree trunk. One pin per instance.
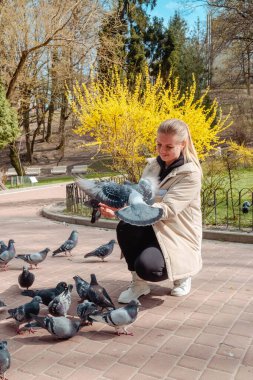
(15, 159)
(51, 107)
(63, 118)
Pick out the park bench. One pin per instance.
(59, 170)
(32, 171)
(79, 169)
(11, 172)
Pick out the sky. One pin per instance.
(166, 9)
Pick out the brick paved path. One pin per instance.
(205, 335)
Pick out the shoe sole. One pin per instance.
(142, 294)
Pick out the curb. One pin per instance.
(55, 212)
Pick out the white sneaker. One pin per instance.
(181, 287)
(137, 288)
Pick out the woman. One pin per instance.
(171, 248)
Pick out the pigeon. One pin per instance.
(23, 313)
(84, 310)
(47, 295)
(8, 254)
(60, 327)
(34, 258)
(245, 207)
(96, 213)
(98, 294)
(2, 304)
(82, 287)
(3, 246)
(60, 305)
(5, 359)
(119, 318)
(137, 198)
(26, 278)
(102, 251)
(68, 245)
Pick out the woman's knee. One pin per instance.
(150, 265)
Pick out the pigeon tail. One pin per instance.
(29, 293)
(140, 214)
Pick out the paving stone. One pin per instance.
(244, 373)
(120, 371)
(224, 363)
(159, 365)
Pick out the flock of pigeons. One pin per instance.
(95, 304)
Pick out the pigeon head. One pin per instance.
(61, 286)
(25, 268)
(112, 241)
(70, 287)
(77, 278)
(3, 345)
(46, 250)
(11, 241)
(37, 299)
(93, 279)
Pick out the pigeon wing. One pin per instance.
(140, 214)
(108, 192)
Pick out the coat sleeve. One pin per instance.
(179, 196)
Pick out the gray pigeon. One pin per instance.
(82, 287)
(8, 254)
(84, 310)
(60, 305)
(23, 313)
(60, 327)
(34, 258)
(2, 304)
(3, 246)
(245, 207)
(98, 294)
(5, 359)
(119, 318)
(47, 295)
(102, 251)
(138, 212)
(68, 245)
(26, 278)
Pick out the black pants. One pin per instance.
(142, 252)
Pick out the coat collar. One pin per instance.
(188, 167)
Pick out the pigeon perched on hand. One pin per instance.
(5, 359)
(82, 287)
(96, 213)
(8, 254)
(119, 318)
(26, 278)
(245, 207)
(84, 310)
(60, 305)
(34, 258)
(23, 313)
(68, 245)
(138, 212)
(102, 251)
(3, 246)
(47, 295)
(98, 294)
(60, 327)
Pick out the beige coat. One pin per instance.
(179, 232)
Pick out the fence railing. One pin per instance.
(221, 209)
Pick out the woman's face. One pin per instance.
(168, 147)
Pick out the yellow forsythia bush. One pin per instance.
(123, 122)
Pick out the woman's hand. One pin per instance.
(106, 211)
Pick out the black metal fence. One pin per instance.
(221, 209)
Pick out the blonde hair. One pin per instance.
(180, 128)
